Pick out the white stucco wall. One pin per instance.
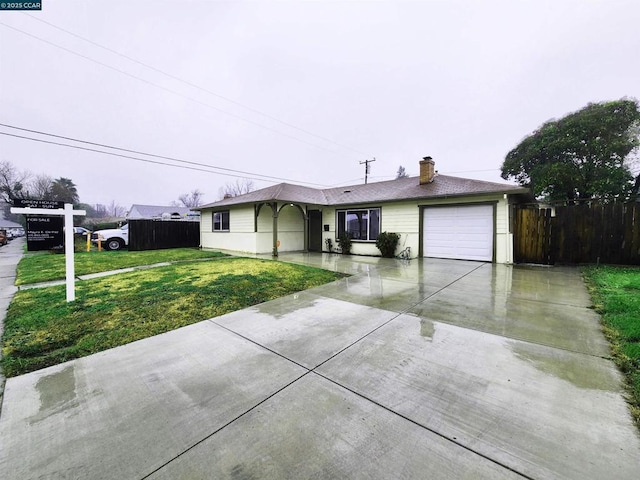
(290, 229)
(240, 236)
(329, 218)
(504, 238)
(400, 217)
(264, 236)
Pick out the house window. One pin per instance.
(221, 221)
(362, 224)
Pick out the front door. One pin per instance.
(315, 230)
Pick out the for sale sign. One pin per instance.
(44, 233)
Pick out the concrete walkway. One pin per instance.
(420, 369)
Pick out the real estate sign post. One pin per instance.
(42, 218)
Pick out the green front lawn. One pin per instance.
(616, 295)
(41, 329)
(44, 267)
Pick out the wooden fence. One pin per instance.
(578, 234)
(158, 234)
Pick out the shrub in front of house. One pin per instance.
(387, 243)
(344, 240)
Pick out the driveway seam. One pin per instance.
(435, 432)
(404, 312)
(258, 344)
(225, 425)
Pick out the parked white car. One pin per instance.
(112, 239)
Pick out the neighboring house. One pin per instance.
(154, 212)
(7, 224)
(435, 215)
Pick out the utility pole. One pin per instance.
(367, 168)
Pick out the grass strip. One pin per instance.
(45, 267)
(41, 329)
(616, 295)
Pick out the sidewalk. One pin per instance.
(10, 255)
(108, 273)
(91, 276)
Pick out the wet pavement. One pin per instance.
(406, 369)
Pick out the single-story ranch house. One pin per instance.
(435, 215)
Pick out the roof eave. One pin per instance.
(519, 191)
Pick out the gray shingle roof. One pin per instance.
(282, 192)
(410, 188)
(392, 190)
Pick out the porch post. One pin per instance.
(274, 208)
(306, 232)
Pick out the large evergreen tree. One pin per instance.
(64, 190)
(583, 156)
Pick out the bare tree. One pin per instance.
(193, 199)
(239, 187)
(13, 182)
(100, 210)
(40, 187)
(115, 210)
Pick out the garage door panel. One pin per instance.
(463, 232)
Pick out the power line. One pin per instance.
(119, 155)
(148, 82)
(265, 178)
(191, 84)
(174, 159)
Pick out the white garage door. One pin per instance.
(459, 232)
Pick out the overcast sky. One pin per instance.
(301, 91)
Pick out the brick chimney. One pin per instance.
(427, 170)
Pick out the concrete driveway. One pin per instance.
(421, 369)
